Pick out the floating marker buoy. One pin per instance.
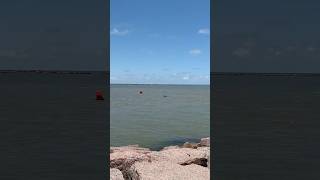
(99, 95)
(140, 92)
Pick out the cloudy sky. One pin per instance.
(53, 35)
(165, 42)
(267, 36)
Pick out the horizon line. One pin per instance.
(153, 84)
(212, 72)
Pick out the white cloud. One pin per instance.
(203, 76)
(195, 51)
(205, 31)
(160, 78)
(117, 32)
(186, 78)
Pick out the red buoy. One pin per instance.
(99, 95)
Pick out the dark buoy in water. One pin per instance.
(165, 96)
(140, 92)
(99, 95)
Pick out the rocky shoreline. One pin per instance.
(189, 161)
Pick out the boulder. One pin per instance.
(208, 160)
(191, 161)
(123, 157)
(205, 142)
(170, 147)
(115, 174)
(128, 148)
(167, 170)
(182, 155)
(190, 145)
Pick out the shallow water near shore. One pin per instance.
(162, 115)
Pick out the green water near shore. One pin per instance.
(163, 115)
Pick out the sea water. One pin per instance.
(162, 115)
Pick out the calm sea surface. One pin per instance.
(163, 115)
(52, 127)
(266, 127)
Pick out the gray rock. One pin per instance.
(123, 157)
(208, 161)
(170, 147)
(173, 162)
(115, 174)
(205, 142)
(190, 145)
(182, 155)
(128, 148)
(167, 171)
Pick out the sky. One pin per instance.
(53, 35)
(165, 41)
(160, 42)
(266, 36)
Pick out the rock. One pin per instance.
(170, 147)
(191, 161)
(208, 160)
(123, 157)
(128, 148)
(115, 174)
(190, 145)
(182, 155)
(167, 170)
(205, 142)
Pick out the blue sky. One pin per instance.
(160, 41)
